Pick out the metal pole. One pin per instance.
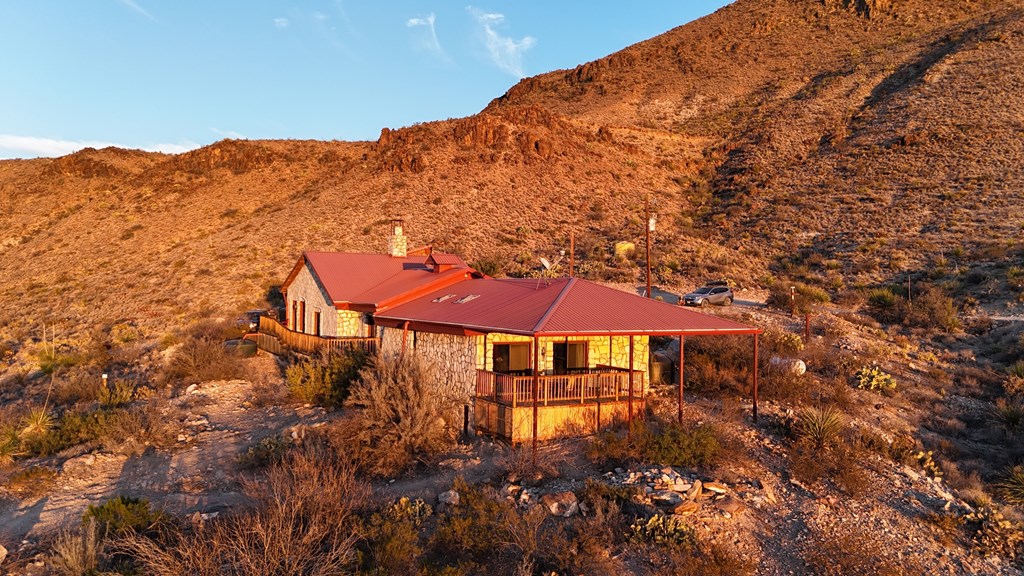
(572, 253)
(682, 380)
(755, 377)
(629, 401)
(536, 386)
(647, 234)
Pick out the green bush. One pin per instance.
(662, 529)
(671, 445)
(806, 297)
(325, 379)
(124, 514)
(874, 379)
(264, 452)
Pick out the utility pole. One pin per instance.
(649, 229)
(572, 252)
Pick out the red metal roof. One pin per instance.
(374, 279)
(553, 307)
(445, 259)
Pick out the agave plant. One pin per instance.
(8, 446)
(1012, 485)
(1009, 414)
(821, 427)
(37, 422)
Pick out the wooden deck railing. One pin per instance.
(308, 343)
(597, 384)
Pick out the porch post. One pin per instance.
(756, 338)
(682, 380)
(536, 386)
(629, 401)
(405, 335)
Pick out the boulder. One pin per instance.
(666, 498)
(794, 366)
(686, 507)
(449, 498)
(731, 505)
(716, 487)
(562, 504)
(3, 554)
(695, 491)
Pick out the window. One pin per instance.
(302, 316)
(294, 324)
(316, 322)
(569, 357)
(511, 358)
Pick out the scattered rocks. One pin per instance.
(686, 507)
(731, 505)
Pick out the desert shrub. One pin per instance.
(1016, 370)
(77, 552)
(874, 379)
(821, 427)
(683, 446)
(124, 514)
(717, 364)
(518, 461)
(10, 446)
(1013, 386)
(117, 392)
(1011, 486)
(32, 481)
(484, 529)
(783, 342)
(662, 529)
(838, 464)
(805, 300)
(925, 459)
(112, 427)
(264, 452)
(993, 534)
(201, 359)
(404, 414)
(930, 308)
(489, 265)
(672, 445)
(325, 379)
(390, 540)
(853, 551)
(302, 521)
(705, 559)
(36, 423)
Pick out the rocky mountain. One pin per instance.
(841, 143)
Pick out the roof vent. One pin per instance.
(465, 299)
(443, 298)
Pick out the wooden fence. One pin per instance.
(275, 338)
(515, 390)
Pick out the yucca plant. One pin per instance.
(1012, 485)
(821, 427)
(37, 422)
(1016, 370)
(8, 445)
(1009, 414)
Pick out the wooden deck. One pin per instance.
(567, 404)
(273, 337)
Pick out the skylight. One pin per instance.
(443, 298)
(465, 299)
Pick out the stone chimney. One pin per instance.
(397, 243)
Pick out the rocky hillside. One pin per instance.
(842, 143)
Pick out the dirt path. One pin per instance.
(217, 423)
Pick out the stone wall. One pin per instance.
(306, 288)
(351, 325)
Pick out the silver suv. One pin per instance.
(711, 293)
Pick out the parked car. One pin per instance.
(250, 321)
(710, 293)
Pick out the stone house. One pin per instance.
(530, 357)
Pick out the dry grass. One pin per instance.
(301, 522)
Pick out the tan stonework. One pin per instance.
(350, 324)
(306, 288)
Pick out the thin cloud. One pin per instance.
(505, 52)
(227, 133)
(131, 4)
(281, 22)
(14, 146)
(429, 42)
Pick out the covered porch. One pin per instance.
(567, 404)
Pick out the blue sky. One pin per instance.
(172, 75)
